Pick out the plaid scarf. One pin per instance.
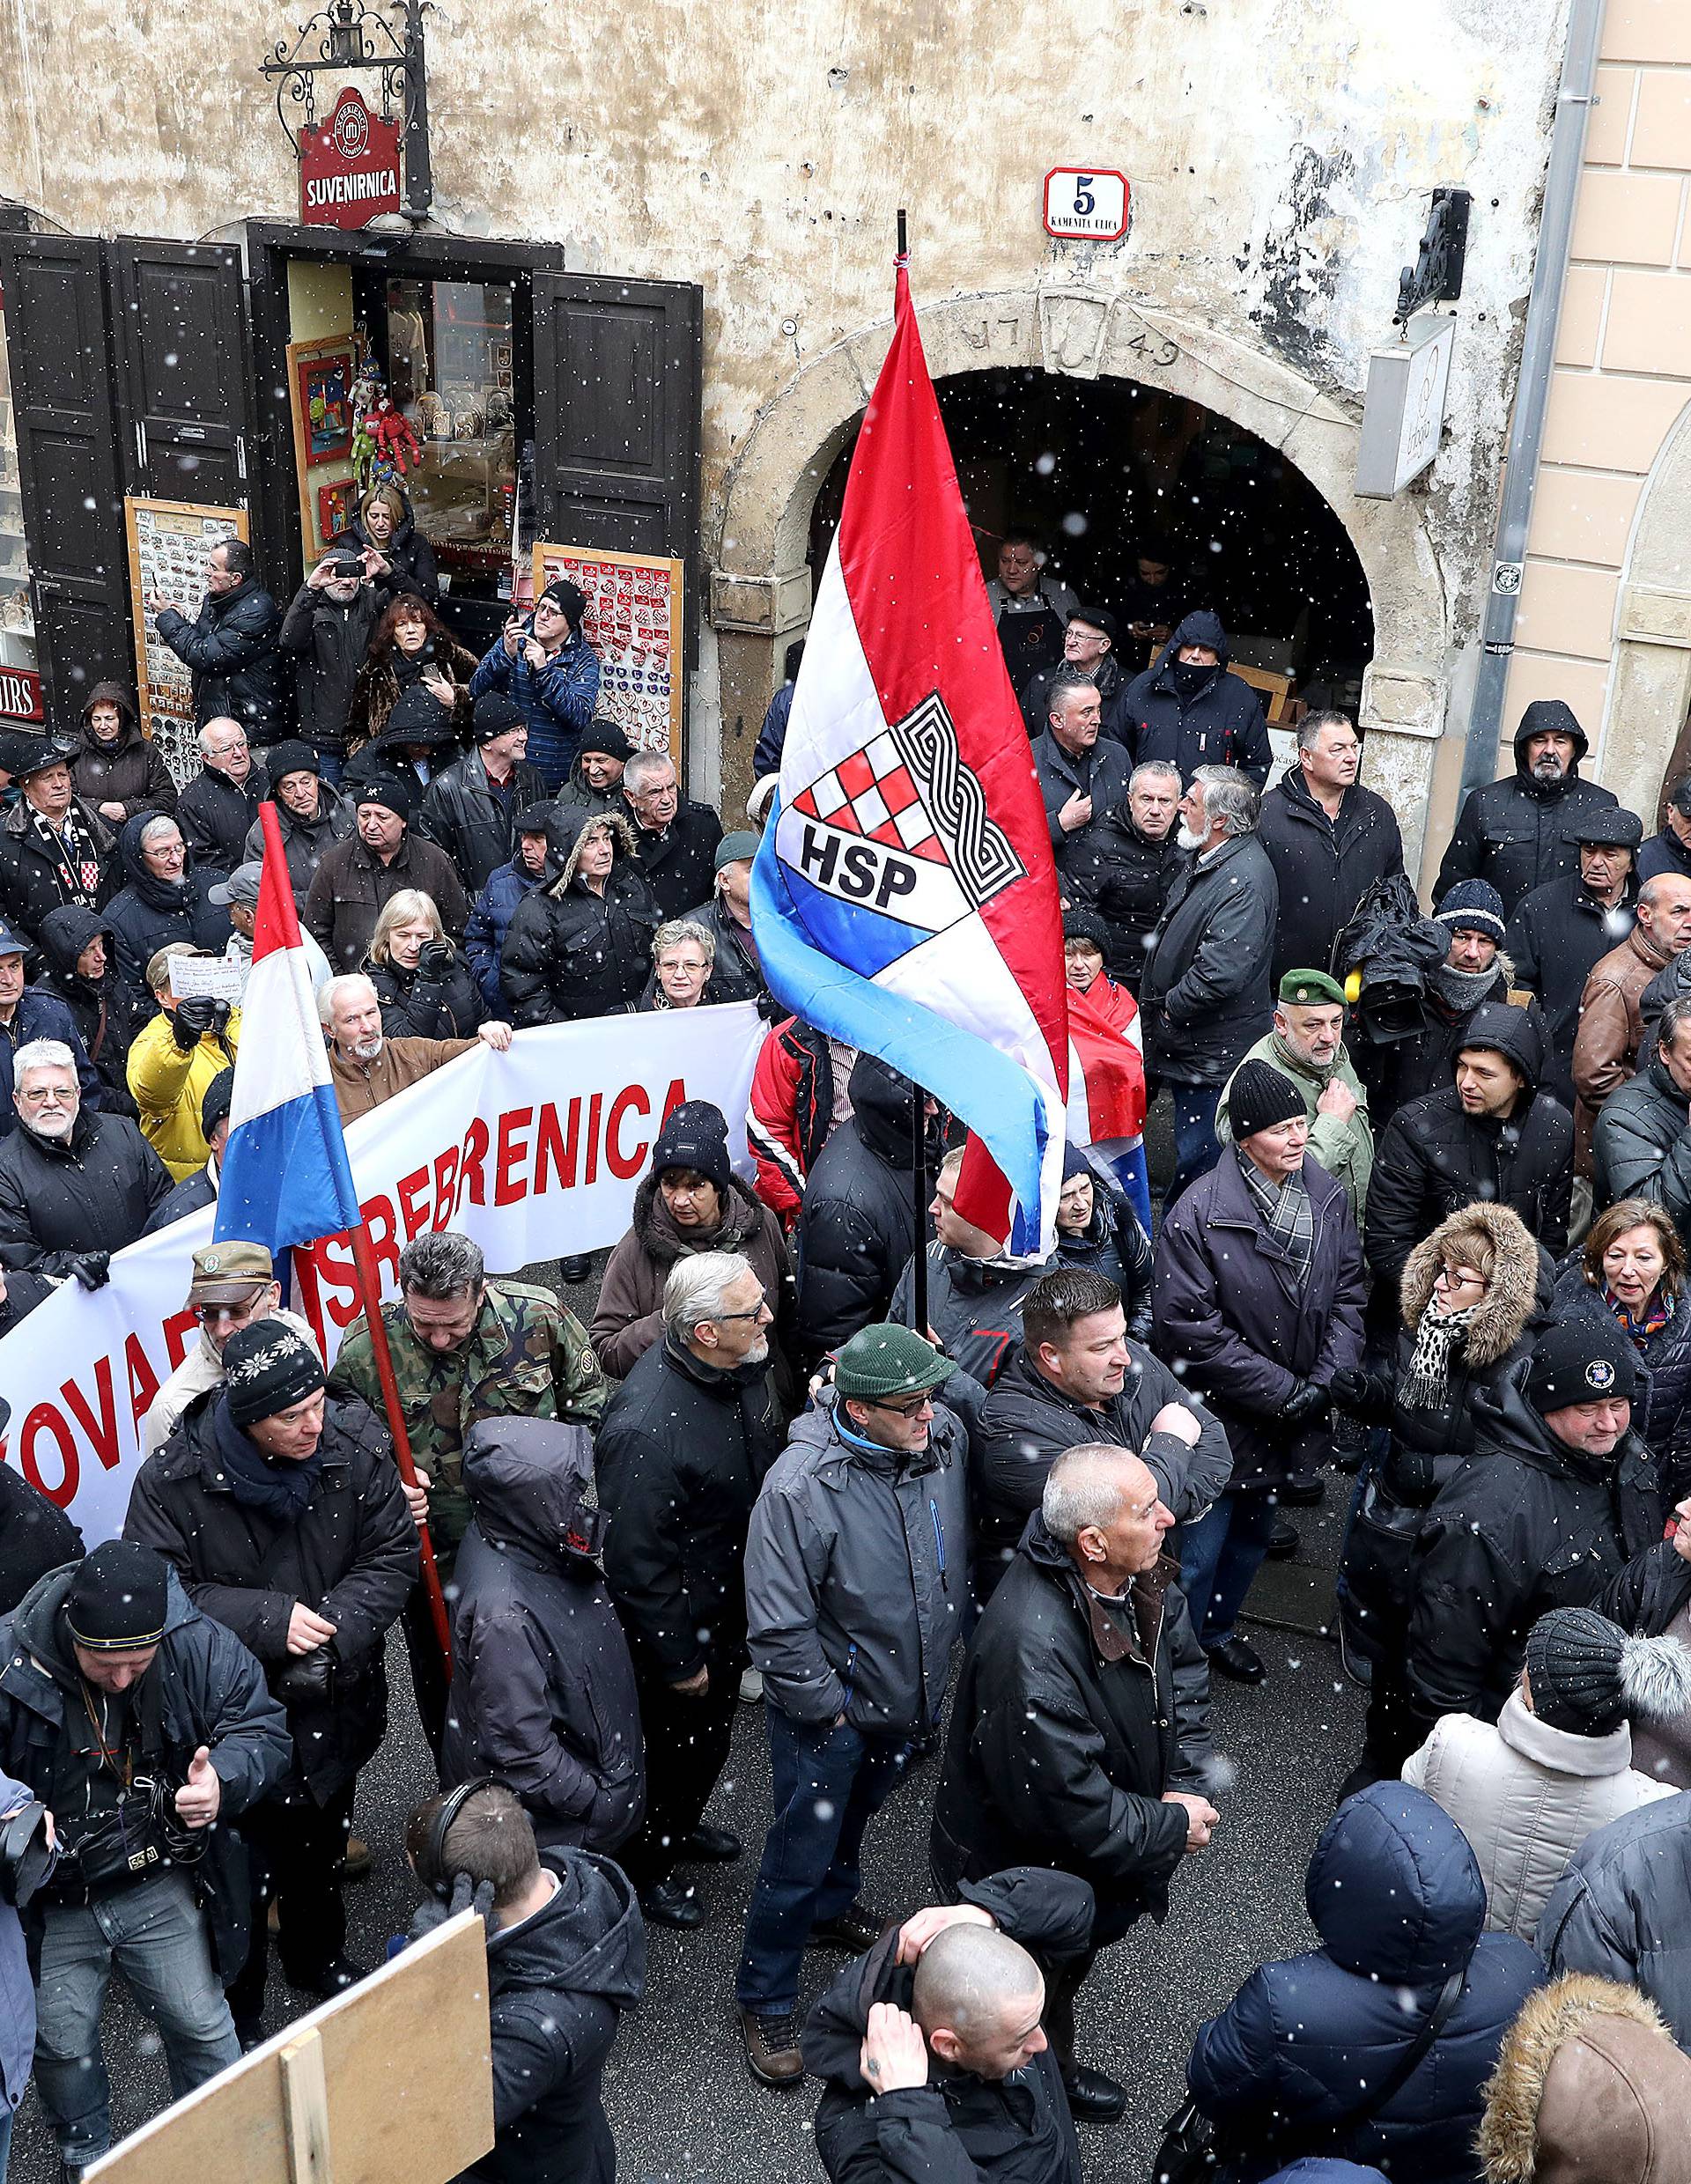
(1291, 1221)
(74, 859)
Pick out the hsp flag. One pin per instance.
(904, 897)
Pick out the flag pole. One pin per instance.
(363, 1259)
(918, 1104)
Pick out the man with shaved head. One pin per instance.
(931, 2047)
(1079, 1737)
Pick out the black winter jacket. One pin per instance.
(1221, 724)
(1526, 1525)
(1435, 1158)
(1642, 1146)
(131, 772)
(571, 953)
(352, 1557)
(736, 974)
(411, 559)
(679, 864)
(472, 821)
(680, 1456)
(31, 887)
(858, 1225)
(1113, 1244)
(1661, 1409)
(211, 1692)
(974, 1306)
(542, 1688)
(148, 912)
(305, 841)
(35, 1534)
(1555, 938)
(327, 643)
(1112, 693)
(1514, 832)
(1405, 1071)
(413, 1008)
(1126, 878)
(92, 1192)
(217, 816)
(1100, 773)
(1621, 1910)
(1662, 853)
(1226, 1303)
(1026, 1423)
(1070, 1724)
(104, 1011)
(230, 649)
(1206, 996)
(191, 1195)
(557, 1987)
(958, 2128)
(1324, 866)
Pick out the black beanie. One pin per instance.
(266, 1368)
(495, 714)
(291, 756)
(392, 792)
(569, 596)
(214, 1102)
(418, 717)
(1581, 1360)
(696, 1136)
(1257, 1098)
(603, 735)
(116, 1600)
(1086, 925)
(1573, 1668)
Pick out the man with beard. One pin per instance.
(1514, 833)
(367, 1068)
(1307, 1046)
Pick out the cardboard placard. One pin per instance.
(168, 541)
(213, 977)
(634, 623)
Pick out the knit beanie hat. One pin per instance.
(569, 596)
(116, 1600)
(1076, 1163)
(266, 1369)
(1257, 1098)
(495, 714)
(391, 792)
(1573, 1666)
(1580, 1360)
(1472, 906)
(736, 848)
(214, 1102)
(1086, 925)
(292, 755)
(604, 735)
(888, 1362)
(696, 1136)
(417, 717)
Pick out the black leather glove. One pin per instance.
(307, 1680)
(92, 1269)
(434, 961)
(1306, 1406)
(1349, 1388)
(192, 1020)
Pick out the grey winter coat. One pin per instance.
(1622, 1910)
(857, 1577)
(542, 1688)
(1206, 996)
(1641, 1145)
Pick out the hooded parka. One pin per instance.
(103, 1010)
(570, 952)
(543, 1689)
(1622, 1909)
(131, 772)
(149, 912)
(1514, 832)
(1217, 721)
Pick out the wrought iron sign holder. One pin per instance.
(347, 36)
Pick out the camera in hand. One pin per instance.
(137, 1838)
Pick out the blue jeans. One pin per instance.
(332, 769)
(1196, 1148)
(828, 1782)
(157, 1936)
(1220, 1555)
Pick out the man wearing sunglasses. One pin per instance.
(857, 1589)
(234, 1285)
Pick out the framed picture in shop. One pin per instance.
(333, 509)
(321, 376)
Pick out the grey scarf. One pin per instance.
(1463, 989)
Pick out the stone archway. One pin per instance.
(760, 593)
(1650, 685)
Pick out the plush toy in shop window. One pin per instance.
(393, 439)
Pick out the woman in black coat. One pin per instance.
(1632, 1269)
(422, 983)
(1473, 1292)
(582, 944)
(386, 525)
(77, 949)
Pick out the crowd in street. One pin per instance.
(1423, 1253)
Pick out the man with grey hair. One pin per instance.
(465, 1348)
(683, 1451)
(366, 1067)
(219, 807)
(1079, 1735)
(1207, 999)
(75, 1185)
(675, 839)
(1130, 864)
(1328, 838)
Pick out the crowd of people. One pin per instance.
(1423, 1249)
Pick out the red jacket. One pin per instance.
(791, 1112)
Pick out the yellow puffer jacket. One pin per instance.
(168, 1085)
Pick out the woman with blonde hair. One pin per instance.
(386, 525)
(422, 983)
(683, 952)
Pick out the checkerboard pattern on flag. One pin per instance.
(872, 793)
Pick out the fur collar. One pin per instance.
(1512, 1294)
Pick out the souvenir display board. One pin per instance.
(168, 542)
(634, 623)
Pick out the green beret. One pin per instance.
(1311, 988)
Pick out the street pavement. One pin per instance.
(683, 2105)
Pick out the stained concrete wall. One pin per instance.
(1280, 157)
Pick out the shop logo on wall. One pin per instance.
(349, 169)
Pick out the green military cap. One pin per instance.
(225, 1273)
(1311, 989)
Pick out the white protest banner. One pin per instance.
(535, 1153)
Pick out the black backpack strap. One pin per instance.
(1414, 2055)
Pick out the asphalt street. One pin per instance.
(683, 2105)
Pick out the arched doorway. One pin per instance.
(1098, 469)
(1647, 731)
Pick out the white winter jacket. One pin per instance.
(1526, 1796)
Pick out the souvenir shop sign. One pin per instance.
(168, 542)
(634, 623)
(20, 695)
(349, 169)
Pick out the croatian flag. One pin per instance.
(1106, 1088)
(904, 897)
(285, 1177)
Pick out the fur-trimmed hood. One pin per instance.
(622, 834)
(1587, 2087)
(1513, 1294)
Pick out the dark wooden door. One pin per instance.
(178, 312)
(58, 341)
(617, 378)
